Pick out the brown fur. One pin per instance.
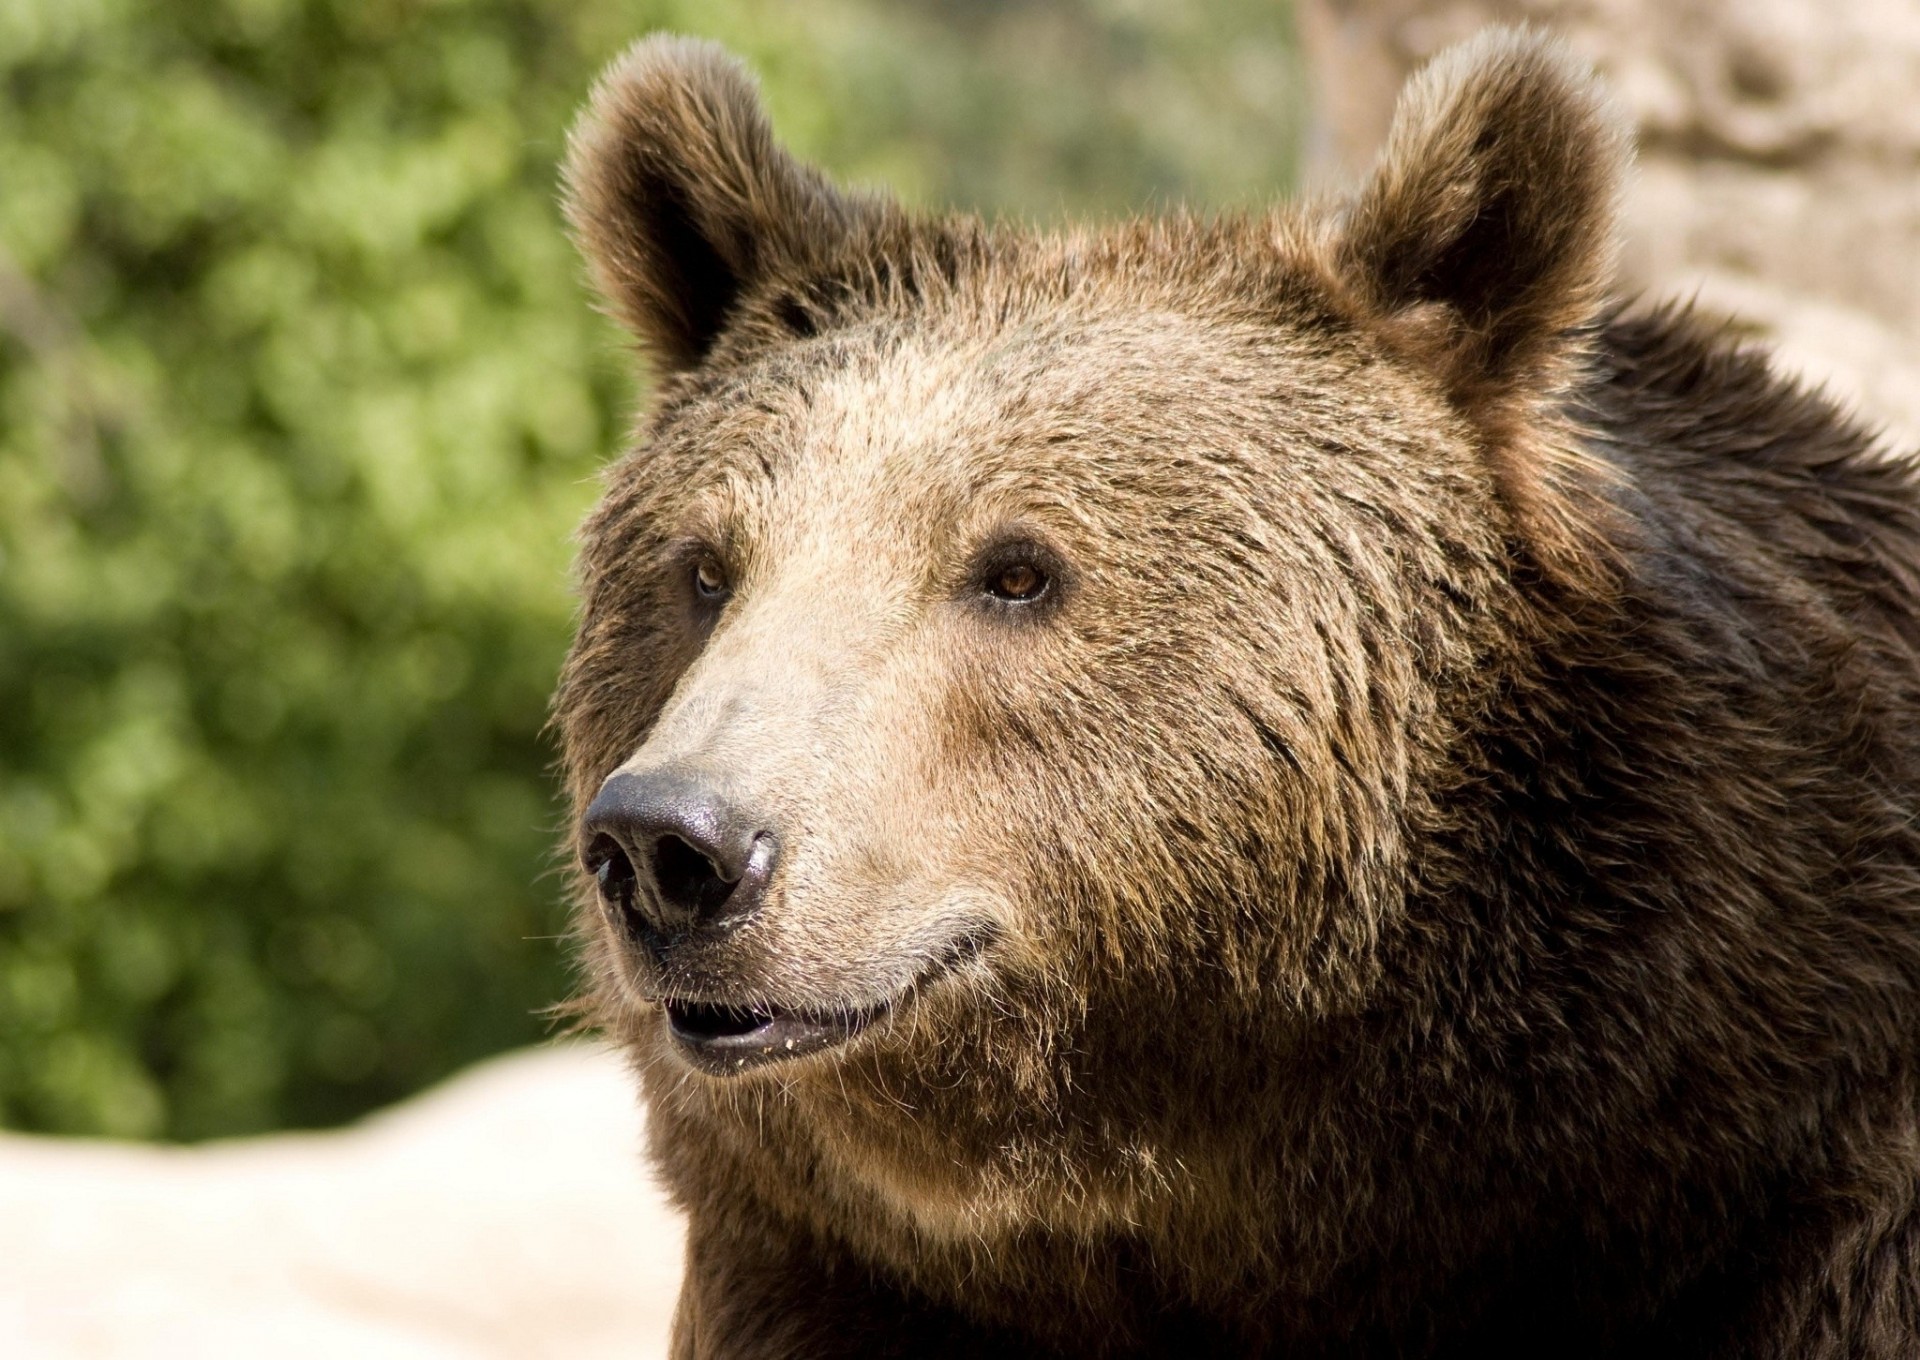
(1440, 875)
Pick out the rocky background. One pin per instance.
(1779, 177)
(504, 1215)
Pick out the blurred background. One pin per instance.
(300, 398)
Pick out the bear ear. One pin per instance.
(1486, 238)
(682, 201)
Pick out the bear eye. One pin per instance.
(1018, 583)
(709, 577)
(1019, 573)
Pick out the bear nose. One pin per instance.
(671, 853)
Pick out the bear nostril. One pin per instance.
(613, 872)
(673, 856)
(688, 880)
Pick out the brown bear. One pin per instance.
(1305, 784)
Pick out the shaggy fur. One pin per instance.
(1436, 875)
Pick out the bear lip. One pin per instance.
(723, 1040)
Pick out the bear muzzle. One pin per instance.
(679, 867)
(682, 870)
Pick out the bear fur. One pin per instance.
(1431, 868)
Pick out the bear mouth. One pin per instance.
(724, 1040)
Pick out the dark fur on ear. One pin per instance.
(682, 201)
(1484, 248)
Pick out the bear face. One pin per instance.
(949, 622)
(1294, 782)
(937, 528)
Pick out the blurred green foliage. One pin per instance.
(299, 400)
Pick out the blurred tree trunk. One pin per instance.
(1780, 156)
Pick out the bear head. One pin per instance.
(1018, 671)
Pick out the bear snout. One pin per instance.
(673, 855)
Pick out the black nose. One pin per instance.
(670, 853)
